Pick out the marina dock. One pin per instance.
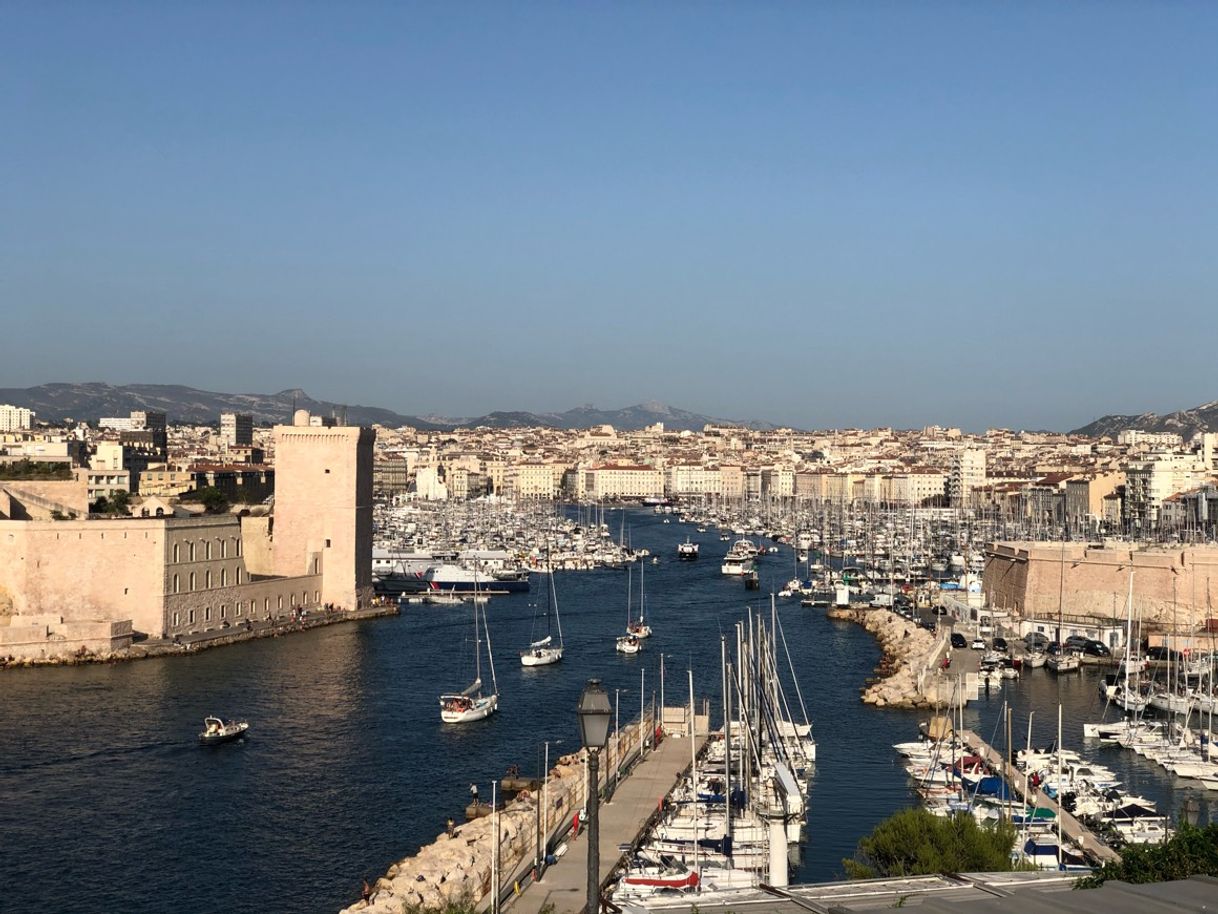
(1072, 828)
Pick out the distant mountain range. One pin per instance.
(90, 401)
(1185, 422)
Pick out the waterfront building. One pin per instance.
(390, 476)
(612, 480)
(533, 480)
(166, 576)
(690, 478)
(15, 418)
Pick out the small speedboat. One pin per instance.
(216, 730)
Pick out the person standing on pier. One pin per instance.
(473, 795)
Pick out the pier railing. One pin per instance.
(558, 806)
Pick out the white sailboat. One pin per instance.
(639, 627)
(545, 651)
(629, 643)
(471, 703)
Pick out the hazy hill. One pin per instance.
(1185, 422)
(90, 401)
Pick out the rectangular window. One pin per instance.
(223, 610)
(176, 619)
(207, 614)
(240, 608)
(191, 617)
(327, 544)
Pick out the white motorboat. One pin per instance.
(1064, 663)
(216, 730)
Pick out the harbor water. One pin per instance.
(108, 803)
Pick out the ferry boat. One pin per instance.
(687, 551)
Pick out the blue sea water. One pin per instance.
(108, 804)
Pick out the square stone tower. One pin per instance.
(323, 507)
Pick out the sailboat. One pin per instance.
(639, 628)
(545, 652)
(471, 704)
(629, 643)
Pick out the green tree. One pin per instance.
(1191, 851)
(213, 500)
(913, 842)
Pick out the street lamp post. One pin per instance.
(594, 713)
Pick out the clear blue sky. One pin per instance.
(818, 213)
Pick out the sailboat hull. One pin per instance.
(479, 708)
(542, 656)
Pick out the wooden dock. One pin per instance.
(1072, 828)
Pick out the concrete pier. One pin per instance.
(1072, 828)
(622, 820)
(465, 868)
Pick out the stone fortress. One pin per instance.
(97, 584)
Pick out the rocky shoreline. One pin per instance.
(908, 651)
(455, 870)
(145, 650)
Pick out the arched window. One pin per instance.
(192, 581)
(192, 552)
(223, 577)
(207, 550)
(175, 583)
(208, 579)
(176, 553)
(281, 601)
(237, 574)
(160, 512)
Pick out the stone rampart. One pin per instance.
(1035, 579)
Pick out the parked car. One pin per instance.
(1000, 644)
(978, 644)
(1053, 648)
(958, 641)
(927, 624)
(1096, 649)
(1076, 643)
(1036, 640)
(1159, 652)
(940, 610)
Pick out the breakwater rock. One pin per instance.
(456, 869)
(906, 674)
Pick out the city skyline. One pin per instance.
(826, 216)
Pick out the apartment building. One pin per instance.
(15, 418)
(623, 481)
